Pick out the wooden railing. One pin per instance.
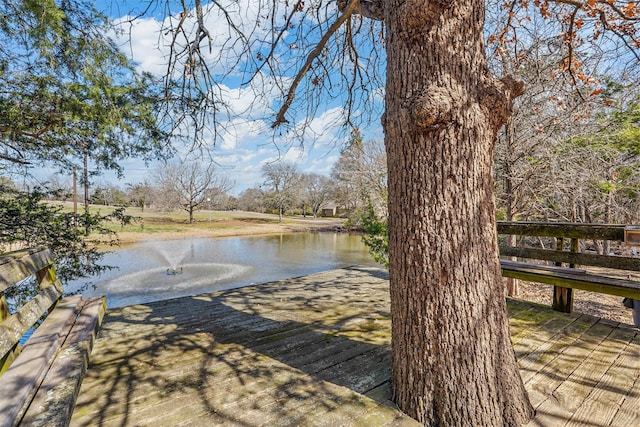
(40, 380)
(15, 267)
(560, 265)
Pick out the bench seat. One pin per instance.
(41, 385)
(570, 278)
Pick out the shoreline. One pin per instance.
(224, 229)
(600, 305)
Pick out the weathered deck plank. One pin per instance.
(616, 385)
(544, 355)
(543, 385)
(628, 413)
(572, 392)
(316, 351)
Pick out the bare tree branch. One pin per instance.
(372, 9)
(14, 159)
(346, 14)
(280, 34)
(621, 12)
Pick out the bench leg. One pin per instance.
(562, 299)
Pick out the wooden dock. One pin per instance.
(315, 351)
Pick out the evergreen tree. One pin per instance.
(68, 94)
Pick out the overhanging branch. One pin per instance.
(346, 14)
(372, 9)
(12, 159)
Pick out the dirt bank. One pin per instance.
(229, 228)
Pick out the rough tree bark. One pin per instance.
(453, 361)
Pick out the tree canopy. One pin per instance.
(67, 94)
(294, 57)
(68, 90)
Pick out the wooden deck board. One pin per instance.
(316, 351)
(605, 399)
(629, 414)
(532, 362)
(564, 402)
(543, 385)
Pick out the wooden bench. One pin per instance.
(40, 379)
(564, 273)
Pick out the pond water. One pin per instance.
(157, 270)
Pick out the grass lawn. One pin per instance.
(155, 224)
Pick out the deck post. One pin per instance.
(563, 297)
(512, 284)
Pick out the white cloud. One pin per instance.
(241, 161)
(253, 100)
(142, 40)
(245, 140)
(322, 129)
(150, 41)
(295, 155)
(322, 165)
(240, 133)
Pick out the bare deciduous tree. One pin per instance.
(186, 185)
(281, 185)
(315, 191)
(140, 194)
(251, 199)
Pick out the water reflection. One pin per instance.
(205, 265)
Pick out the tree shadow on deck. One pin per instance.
(578, 369)
(300, 351)
(315, 351)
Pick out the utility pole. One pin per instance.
(75, 197)
(86, 192)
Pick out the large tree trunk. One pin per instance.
(453, 361)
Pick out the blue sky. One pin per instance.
(246, 140)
